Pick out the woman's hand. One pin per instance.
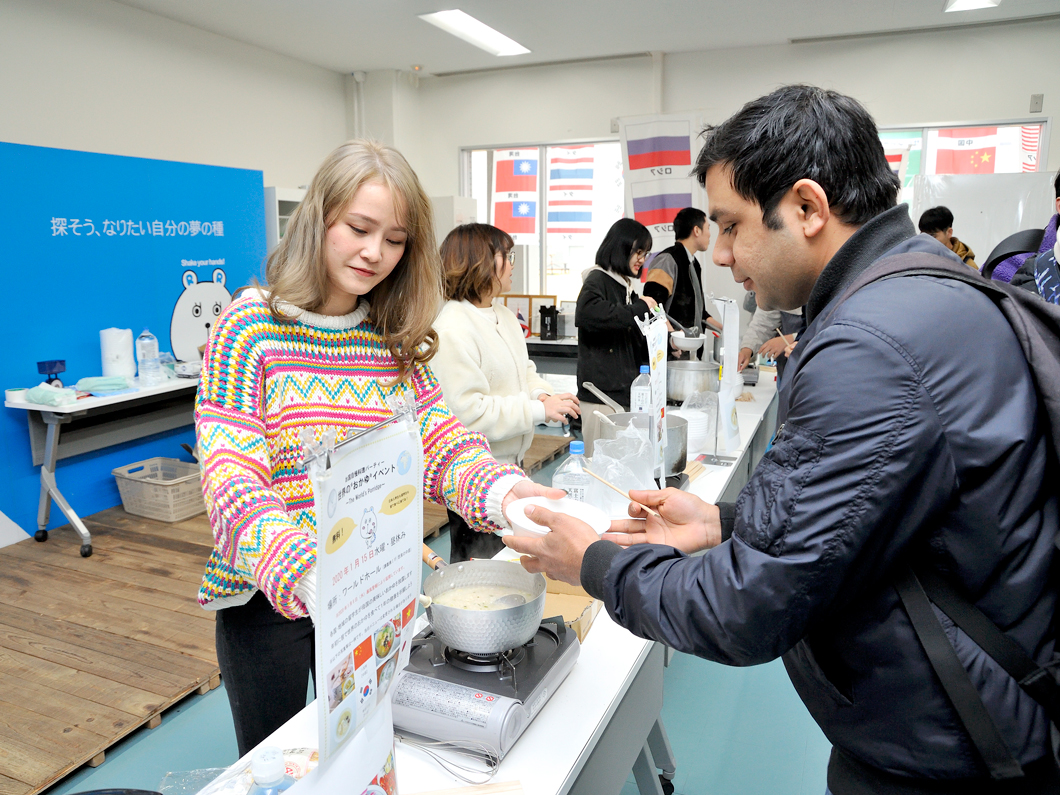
(527, 488)
(560, 408)
(651, 302)
(684, 521)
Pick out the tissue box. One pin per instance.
(573, 603)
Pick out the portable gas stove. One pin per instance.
(481, 700)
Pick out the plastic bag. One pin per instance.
(626, 462)
(51, 395)
(102, 384)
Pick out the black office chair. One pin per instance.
(1022, 242)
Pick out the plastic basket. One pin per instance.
(161, 488)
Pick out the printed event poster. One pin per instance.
(515, 193)
(369, 535)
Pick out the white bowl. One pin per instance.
(686, 343)
(521, 526)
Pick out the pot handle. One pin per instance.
(432, 559)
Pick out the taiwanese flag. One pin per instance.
(515, 217)
(968, 150)
(658, 201)
(516, 175)
(657, 144)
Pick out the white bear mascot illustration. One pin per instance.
(369, 522)
(195, 313)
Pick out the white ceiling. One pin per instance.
(347, 35)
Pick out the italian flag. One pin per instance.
(967, 150)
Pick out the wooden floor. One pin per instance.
(93, 648)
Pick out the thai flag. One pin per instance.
(522, 322)
(658, 201)
(516, 175)
(659, 143)
(515, 217)
(570, 185)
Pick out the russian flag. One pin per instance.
(660, 143)
(515, 217)
(516, 175)
(658, 201)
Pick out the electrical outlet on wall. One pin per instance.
(614, 125)
(1037, 100)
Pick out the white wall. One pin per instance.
(969, 75)
(98, 76)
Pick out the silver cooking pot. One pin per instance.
(676, 435)
(684, 378)
(485, 631)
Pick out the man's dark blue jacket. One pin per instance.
(909, 429)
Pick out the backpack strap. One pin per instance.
(1038, 682)
(962, 694)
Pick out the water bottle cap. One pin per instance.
(267, 765)
(577, 448)
(644, 369)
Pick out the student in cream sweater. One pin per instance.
(486, 375)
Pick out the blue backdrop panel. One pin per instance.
(94, 241)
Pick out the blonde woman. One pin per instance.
(343, 323)
(487, 377)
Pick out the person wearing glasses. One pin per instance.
(482, 364)
(611, 348)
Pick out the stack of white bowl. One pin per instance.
(700, 428)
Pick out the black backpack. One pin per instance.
(1036, 324)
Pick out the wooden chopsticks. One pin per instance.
(623, 493)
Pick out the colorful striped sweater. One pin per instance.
(263, 382)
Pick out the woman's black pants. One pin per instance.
(265, 661)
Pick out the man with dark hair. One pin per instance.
(674, 278)
(938, 222)
(1040, 273)
(889, 453)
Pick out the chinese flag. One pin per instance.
(362, 653)
(969, 150)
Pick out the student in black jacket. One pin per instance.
(611, 348)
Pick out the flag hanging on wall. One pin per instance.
(1030, 139)
(659, 143)
(516, 218)
(657, 152)
(570, 190)
(966, 150)
(657, 201)
(515, 193)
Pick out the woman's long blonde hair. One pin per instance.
(405, 303)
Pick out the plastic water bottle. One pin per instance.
(640, 391)
(150, 371)
(270, 775)
(571, 476)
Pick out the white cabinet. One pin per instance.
(279, 204)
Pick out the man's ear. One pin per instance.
(812, 212)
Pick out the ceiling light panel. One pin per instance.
(466, 27)
(969, 5)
